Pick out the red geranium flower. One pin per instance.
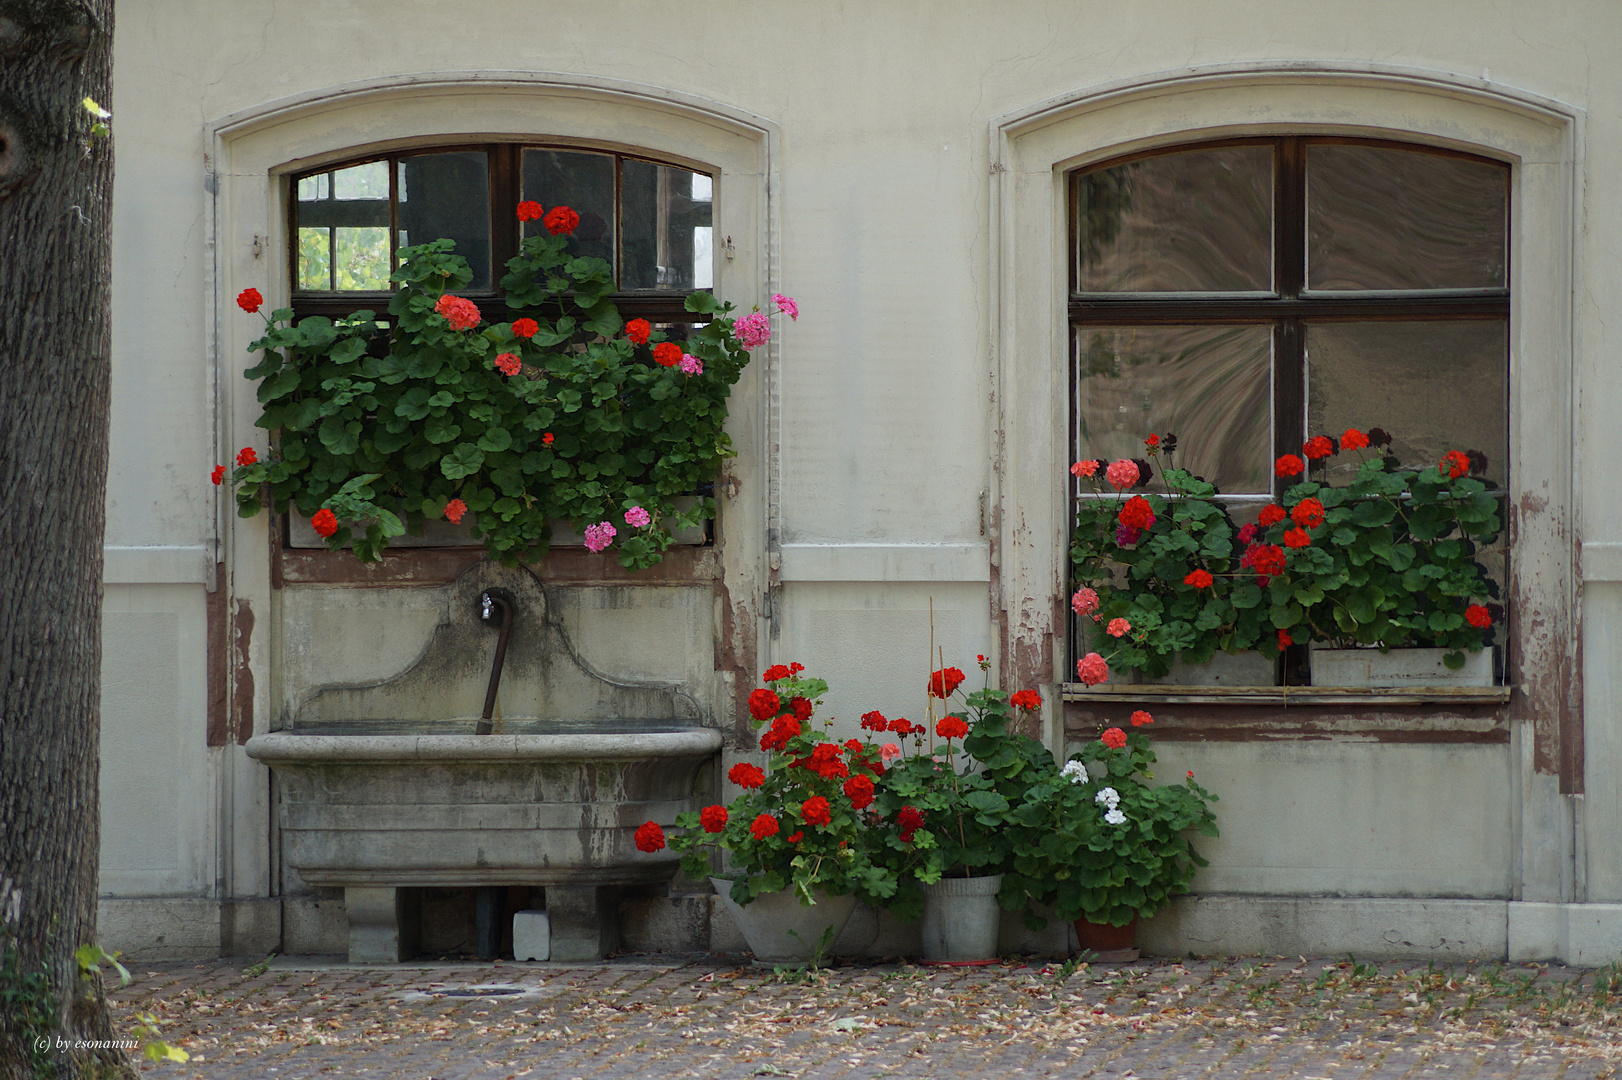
(462, 314)
(1092, 669)
(775, 672)
(324, 522)
(746, 775)
(1139, 718)
(1114, 738)
(525, 328)
(638, 331)
(944, 683)
(529, 210)
(1284, 642)
(1266, 559)
(801, 708)
(1200, 579)
(874, 721)
(713, 818)
(794, 837)
(1478, 616)
(1455, 464)
(763, 704)
(218, 475)
(249, 300)
(508, 363)
(547, 439)
(1308, 513)
(650, 837)
(1271, 515)
(859, 789)
(764, 826)
(1137, 513)
(667, 354)
(782, 730)
(951, 727)
(1353, 440)
(1297, 538)
(1319, 446)
(247, 456)
(1289, 465)
(902, 726)
(910, 819)
(454, 511)
(816, 811)
(1025, 699)
(1152, 441)
(560, 221)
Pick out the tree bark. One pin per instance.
(55, 323)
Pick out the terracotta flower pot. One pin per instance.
(1108, 944)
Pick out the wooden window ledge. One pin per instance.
(1288, 695)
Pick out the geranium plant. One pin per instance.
(801, 822)
(945, 804)
(1392, 558)
(565, 412)
(1098, 841)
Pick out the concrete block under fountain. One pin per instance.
(389, 787)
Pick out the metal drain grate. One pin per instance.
(481, 991)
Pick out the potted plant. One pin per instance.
(1392, 559)
(563, 413)
(795, 835)
(947, 805)
(1103, 845)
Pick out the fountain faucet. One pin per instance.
(495, 606)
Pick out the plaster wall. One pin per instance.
(884, 398)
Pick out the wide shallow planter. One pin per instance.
(1223, 669)
(1108, 944)
(960, 921)
(1399, 667)
(780, 929)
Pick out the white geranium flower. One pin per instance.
(1115, 817)
(1108, 797)
(1075, 772)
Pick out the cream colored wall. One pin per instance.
(881, 225)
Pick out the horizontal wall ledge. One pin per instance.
(886, 562)
(155, 565)
(1289, 695)
(1602, 561)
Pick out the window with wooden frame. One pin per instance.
(650, 220)
(1249, 293)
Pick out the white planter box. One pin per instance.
(1223, 669)
(1399, 667)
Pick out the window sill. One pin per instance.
(1289, 695)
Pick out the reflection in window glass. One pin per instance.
(1399, 219)
(583, 182)
(659, 241)
(447, 196)
(1199, 220)
(1209, 385)
(343, 226)
(1435, 386)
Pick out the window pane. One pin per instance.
(664, 210)
(1194, 221)
(447, 196)
(1211, 386)
(1434, 386)
(582, 182)
(346, 209)
(1400, 219)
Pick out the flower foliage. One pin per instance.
(1390, 558)
(559, 414)
(800, 822)
(1095, 839)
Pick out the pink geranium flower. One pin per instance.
(1118, 628)
(786, 305)
(508, 363)
(753, 330)
(636, 517)
(691, 365)
(462, 314)
(1092, 670)
(1122, 474)
(1085, 602)
(889, 752)
(600, 535)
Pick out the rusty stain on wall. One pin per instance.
(242, 692)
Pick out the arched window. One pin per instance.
(650, 221)
(1251, 293)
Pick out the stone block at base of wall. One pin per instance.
(189, 927)
(1392, 928)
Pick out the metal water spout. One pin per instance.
(496, 611)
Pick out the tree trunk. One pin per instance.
(55, 258)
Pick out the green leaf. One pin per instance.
(465, 460)
(495, 440)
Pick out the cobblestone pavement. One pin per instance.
(662, 1016)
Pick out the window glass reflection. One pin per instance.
(583, 182)
(667, 223)
(447, 196)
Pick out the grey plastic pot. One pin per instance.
(960, 921)
(781, 930)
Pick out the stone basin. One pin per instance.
(381, 808)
